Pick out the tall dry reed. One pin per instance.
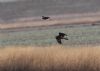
(53, 58)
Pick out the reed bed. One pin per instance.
(53, 58)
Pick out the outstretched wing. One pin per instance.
(65, 38)
(58, 40)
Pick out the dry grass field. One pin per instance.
(51, 58)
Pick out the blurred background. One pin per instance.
(14, 9)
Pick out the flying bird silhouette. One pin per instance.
(45, 17)
(60, 37)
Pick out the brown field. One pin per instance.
(54, 58)
(86, 18)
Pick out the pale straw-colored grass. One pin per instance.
(54, 58)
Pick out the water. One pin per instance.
(11, 9)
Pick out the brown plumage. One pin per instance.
(60, 37)
(45, 18)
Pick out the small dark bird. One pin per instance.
(45, 18)
(61, 36)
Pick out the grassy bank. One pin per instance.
(55, 58)
(77, 35)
